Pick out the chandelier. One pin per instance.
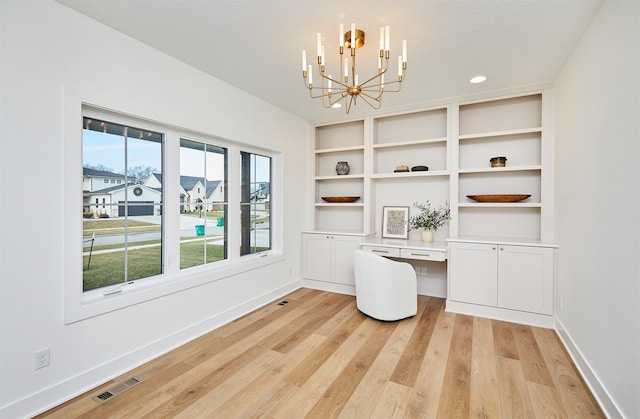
(348, 87)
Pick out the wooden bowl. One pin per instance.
(340, 199)
(499, 197)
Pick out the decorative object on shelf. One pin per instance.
(498, 161)
(401, 168)
(429, 219)
(499, 197)
(333, 89)
(340, 199)
(395, 222)
(342, 168)
(419, 168)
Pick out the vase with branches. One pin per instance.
(429, 219)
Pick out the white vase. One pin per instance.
(427, 236)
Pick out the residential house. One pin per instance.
(56, 60)
(103, 188)
(194, 191)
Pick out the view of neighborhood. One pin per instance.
(202, 228)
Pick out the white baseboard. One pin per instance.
(329, 286)
(63, 391)
(503, 314)
(597, 389)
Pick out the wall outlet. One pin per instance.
(41, 359)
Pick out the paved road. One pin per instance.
(187, 229)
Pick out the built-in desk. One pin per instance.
(406, 249)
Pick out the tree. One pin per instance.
(139, 174)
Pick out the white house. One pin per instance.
(193, 192)
(101, 189)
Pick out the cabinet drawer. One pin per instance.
(383, 251)
(422, 254)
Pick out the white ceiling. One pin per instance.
(256, 45)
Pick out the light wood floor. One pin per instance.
(319, 357)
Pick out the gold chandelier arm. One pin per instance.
(369, 99)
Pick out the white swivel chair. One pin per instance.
(385, 289)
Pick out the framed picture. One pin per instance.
(395, 223)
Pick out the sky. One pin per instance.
(108, 150)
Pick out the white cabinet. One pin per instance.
(329, 257)
(506, 276)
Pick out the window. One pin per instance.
(255, 205)
(150, 218)
(203, 226)
(123, 240)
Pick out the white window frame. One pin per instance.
(81, 305)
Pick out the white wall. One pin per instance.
(47, 48)
(597, 205)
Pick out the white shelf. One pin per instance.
(501, 169)
(500, 205)
(410, 143)
(340, 149)
(410, 174)
(339, 177)
(500, 133)
(346, 204)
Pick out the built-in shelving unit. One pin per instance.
(509, 127)
(419, 138)
(334, 143)
(487, 242)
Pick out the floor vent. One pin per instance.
(116, 389)
(283, 303)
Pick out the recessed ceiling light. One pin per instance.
(477, 79)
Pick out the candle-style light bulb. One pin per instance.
(404, 51)
(386, 38)
(353, 36)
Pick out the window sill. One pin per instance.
(98, 302)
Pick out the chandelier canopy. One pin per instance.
(332, 90)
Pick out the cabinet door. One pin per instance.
(316, 260)
(473, 273)
(343, 247)
(525, 278)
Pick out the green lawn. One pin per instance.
(103, 226)
(108, 268)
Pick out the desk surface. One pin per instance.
(406, 244)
